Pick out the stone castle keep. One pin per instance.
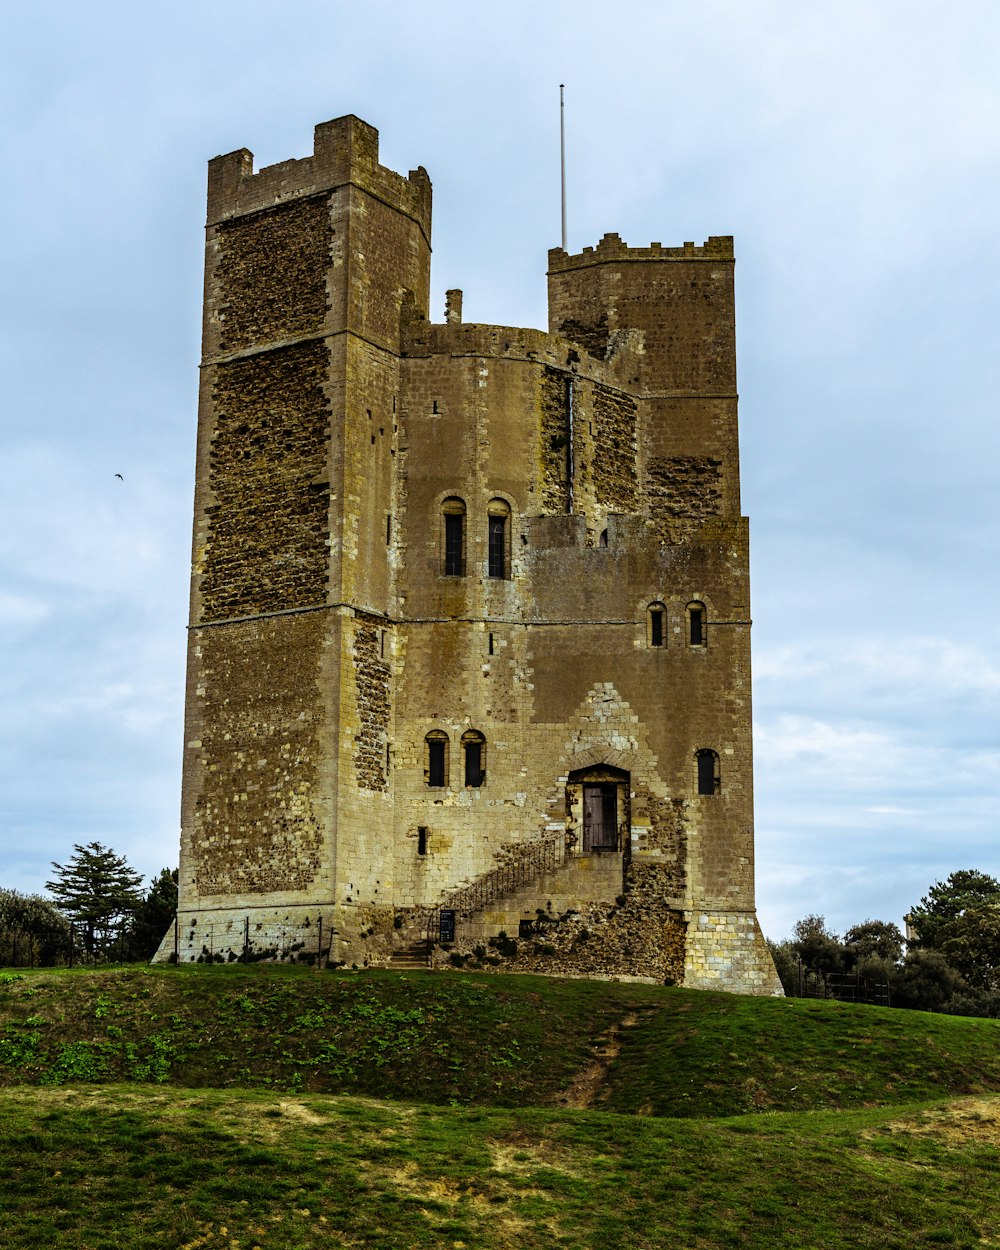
(469, 663)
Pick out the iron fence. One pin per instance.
(845, 987)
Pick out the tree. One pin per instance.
(960, 919)
(32, 932)
(927, 982)
(786, 964)
(97, 890)
(154, 915)
(818, 947)
(873, 939)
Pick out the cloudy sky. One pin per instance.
(852, 148)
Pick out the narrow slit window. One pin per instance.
(421, 840)
(656, 625)
(498, 519)
(498, 533)
(708, 772)
(697, 633)
(474, 747)
(388, 529)
(436, 768)
(454, 538)
(491, 644)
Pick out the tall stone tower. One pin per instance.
(469, 665)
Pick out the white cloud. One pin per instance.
(21, 610)
(850, 148)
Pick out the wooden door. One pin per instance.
(600, 818)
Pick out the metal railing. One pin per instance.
(532, 861)
(846, 987)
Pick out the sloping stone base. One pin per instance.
(726, 951)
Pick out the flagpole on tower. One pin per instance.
(562, 159)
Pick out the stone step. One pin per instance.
(410, 957)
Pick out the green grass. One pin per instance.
(227, 1108)
(126, 1166)
(477, 1039)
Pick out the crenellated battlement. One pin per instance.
(469, 612)
(613, 248)
(345, 152)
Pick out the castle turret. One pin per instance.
(469, 643)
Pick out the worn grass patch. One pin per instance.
(477, 1039)
(113, 1166)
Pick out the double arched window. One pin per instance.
(455, 540)
(437, 759)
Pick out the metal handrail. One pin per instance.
(534, 860)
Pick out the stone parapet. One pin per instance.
(345, 150)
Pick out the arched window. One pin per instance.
(709, 780)
(474, 747)
(436, 759)
(697, 620)
(453, 538)
(603, 540)
(499, 535)
(656, 625)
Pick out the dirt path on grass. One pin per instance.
(588, 1086)
(965, 1120)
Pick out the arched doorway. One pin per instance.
(597, 808)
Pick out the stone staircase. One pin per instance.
(480, 908)
(532, 862)
(406, 958)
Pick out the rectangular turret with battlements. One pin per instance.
(469, 662)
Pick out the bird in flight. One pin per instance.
(119, 477)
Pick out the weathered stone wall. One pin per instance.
(255, 824)
(272, 267)
(371, 678)
(613, 472)
(727, 951)
(267, 524)
(296, 934)
(338, 428)
(640, 934)
(554, 438)
(683, 492)
(680, 300)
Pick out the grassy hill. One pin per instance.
(221, 1107)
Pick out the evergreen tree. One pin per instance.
(96, 889)
(154, 915)
(960, 918)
